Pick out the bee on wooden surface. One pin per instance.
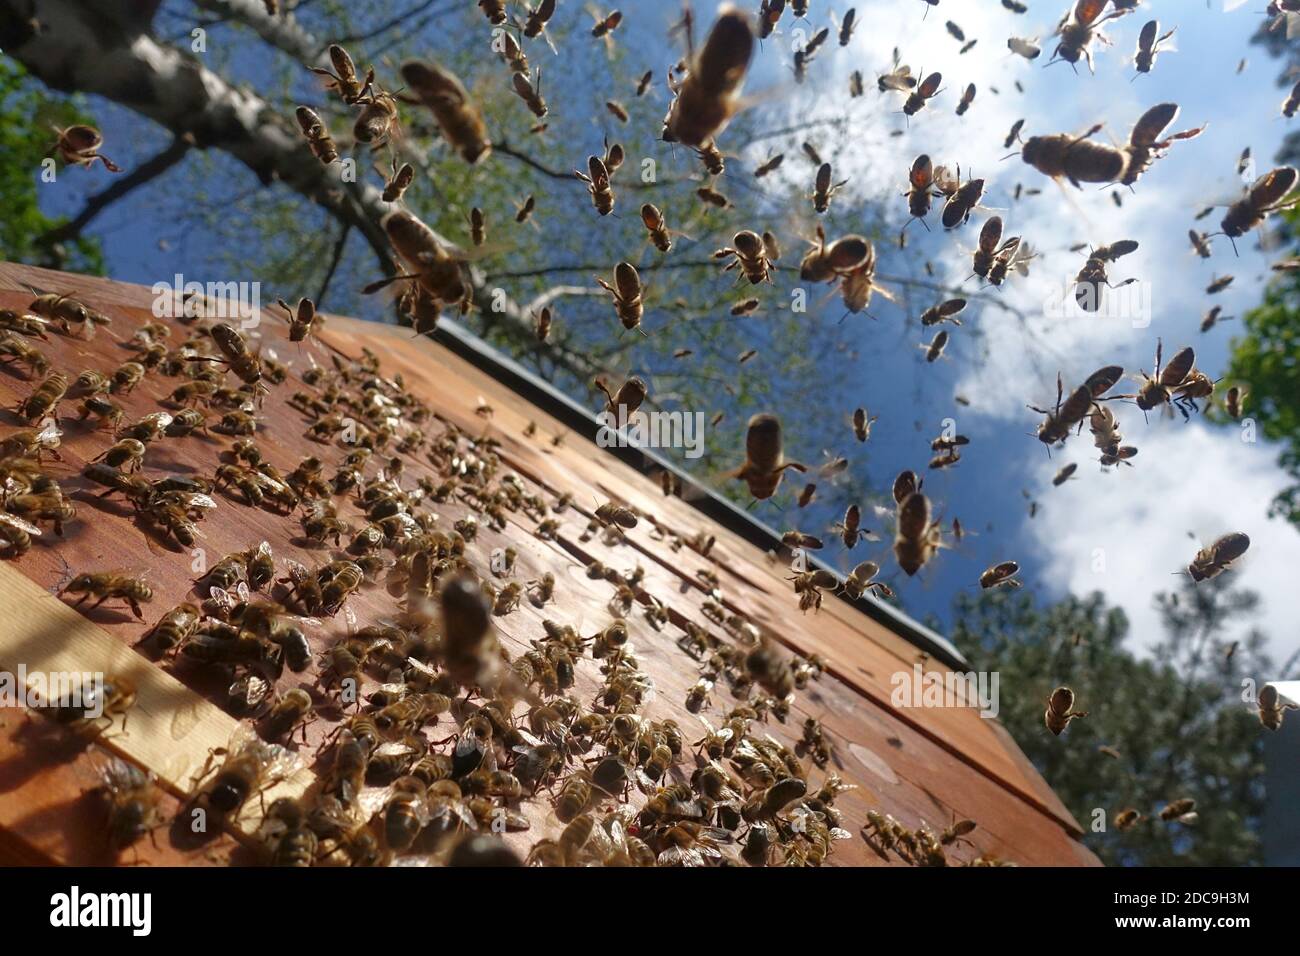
(80, 145)
(1267, 195)
(628, 295)
(103, 700)
(1144, 148)
(174, 627)
(317, 134)
(765, 463)
(1060, 710)
(68, 313)
(457, 115)
(16, 536)
(709, 95)
(126, 377)
(14, 349)
(921, 94)
(290, 712)
(1218, 557)
(250, 765)
(44, 399)
(1079, 28)
(32, 443)
(22, 323)
(343, 78)
(134, 802)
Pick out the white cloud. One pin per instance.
(1186, 478)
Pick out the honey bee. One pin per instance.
(289, 713)
(924, 91)
(456, 114)
(934, 349)
(530, 91)
(538, 17)
(436, 270)
(967, 98)
(126, 377)
(655, 224)
(1076, 158)
(709, 95)
(962, 202)
(80, 145)
(44, 399)
(1233, 400)
(1267, 195)
(1182, 811)
(1060, 710)
(861, 581)
(824, 189)
(751, 254)
(917, 538)
(174, 627)
(68, 312)
(317, 134)
(494, 10)
(108, 584)
(1088, 283)
(849, 527)
(1148, 46)
(1079, 28)
(1158, 389)
(825, 263)
(1061, 420)
(1066, 472)
(1000, 575)
(250, 766)
(1127, 819)
(765, 463)
(862, 424)
(32, 443)
(14, 349)
(597, 180)
(1292, 102)
(343, 78)
(1272, 708)
(16, 536)
(946, 311)
(1218, 557)
(627, 293)
(134, 802)
(712, 197)
(1143, 148)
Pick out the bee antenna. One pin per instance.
(1008, 156)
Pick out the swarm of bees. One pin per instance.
(521, 728)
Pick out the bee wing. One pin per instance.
(15, 522)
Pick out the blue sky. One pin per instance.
(1187, 478)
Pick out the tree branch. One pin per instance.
(335, 258)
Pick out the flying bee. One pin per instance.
(1218, 557)
(343, 78)
(823, 189)
(861, 581)
(1148, 46)
(934, 348)
(301, 319)
(1088, 283)
(1272, 708)
(44, 399)
(1144, 148)
(396, 186)
(967, 98)
(1233, 400)
(962, 202)
(80, 145)
(458, 117)
(750, 253)
(765, 462)
(597, 180)
(1000, 575)
(628, 295)
(925, 90)
(529, 90)
(134, 802)
(317, 134)
(1267, 195)
(709, 95)
(849, 527)
(378, 122)
(1182, 811)
(921, 188)
(946, 311)
(1079, 28)
(1158, 389)
(250, 766)
(862, 424)
(1076, 158)
(1292, 102)
(1127, 819)
(1060, 710)
(654, 222)
(437, 270)
(1200, 243)
(855, 84)
(917, 538)
(825, 263)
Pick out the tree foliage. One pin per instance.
(1175, 720)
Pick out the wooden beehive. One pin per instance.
(918, 764)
